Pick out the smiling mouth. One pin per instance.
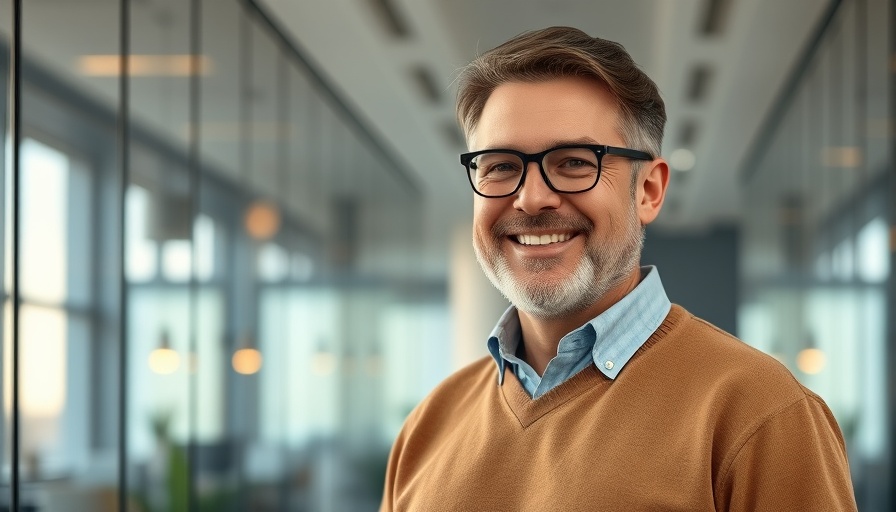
(546, 239)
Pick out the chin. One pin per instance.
(548, 298)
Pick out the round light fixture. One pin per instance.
(811, 361)
(247, 361)
(262, 220)
(164, 361)
(682, 159)
(323, 363)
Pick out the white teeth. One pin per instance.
(543, 239)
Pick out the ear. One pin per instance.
(652, 182)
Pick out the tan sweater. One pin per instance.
(697, 420)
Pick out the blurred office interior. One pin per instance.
(236, 243)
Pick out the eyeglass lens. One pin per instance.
(567, 170)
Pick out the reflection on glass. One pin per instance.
(273, 263)
(873, 251)
(44, 212)
(142, 252)
(204, 238)
(301, 267)
(176, 263)
(823, 266)
(842, 260)
(302, 417)
(43, 386)
(825, 317)
(160, 407)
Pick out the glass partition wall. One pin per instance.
(212, 300)
(818, 236)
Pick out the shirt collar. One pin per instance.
(618, 332)
(626, 325)
(504, 340)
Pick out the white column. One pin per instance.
(475, 304)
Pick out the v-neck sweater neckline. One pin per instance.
(528, 410)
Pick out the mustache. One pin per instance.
(549, 220)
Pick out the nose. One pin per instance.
(535, 196)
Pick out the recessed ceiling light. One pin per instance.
(848, 157)
(682, 159)
(145, 65)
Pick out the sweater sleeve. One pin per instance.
(794, 460)
(388, 503)
(390, 492)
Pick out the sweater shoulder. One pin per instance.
(723, 356)
(704, 369)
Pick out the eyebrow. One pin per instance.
(565, 142)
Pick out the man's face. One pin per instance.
(598, 232)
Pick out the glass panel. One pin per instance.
(880, 126)
(44, 355)
(160, 368)
(300, 198)
(265, 172)
(411, 369)
(44, 203)
(873, 251)
(69, 267)
(825, 317)
(224, 343)
(143, 252)
(204, 238)
(160, 69)
(161, 317)
(219, 128)
(273, 263)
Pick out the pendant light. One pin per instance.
(164, 360)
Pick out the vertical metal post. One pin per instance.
(195, 112)
(891, 281)
(5, 105)
(16, 138)
(124, 137)
(246, 327)
(283, 185)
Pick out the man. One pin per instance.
(606, 396)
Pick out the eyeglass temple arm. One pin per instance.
(628, 153)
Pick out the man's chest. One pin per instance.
(562, 462)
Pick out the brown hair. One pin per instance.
(562, 52)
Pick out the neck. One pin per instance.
(541, 336)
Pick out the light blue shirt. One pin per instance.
(608, 341)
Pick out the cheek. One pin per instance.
(485, 213)
(608, 213)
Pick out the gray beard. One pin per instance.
(606, 265)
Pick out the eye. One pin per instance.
(496, 166)
(575, 163)
(571, 161)
(502, 167)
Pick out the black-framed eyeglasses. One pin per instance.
(568, 169)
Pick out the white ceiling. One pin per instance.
(372, 70)
(750, 60)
